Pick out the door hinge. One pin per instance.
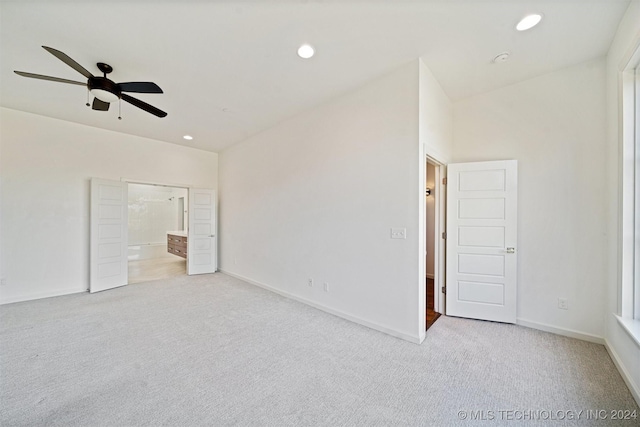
(444, 235)
(444, 290)
(444, 181)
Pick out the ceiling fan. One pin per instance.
(104, 90)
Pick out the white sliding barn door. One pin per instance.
(202, 254)
(109, 226)
(481, 240)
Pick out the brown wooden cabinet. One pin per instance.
(177, 244)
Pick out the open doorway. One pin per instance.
(435, 197)
(109, 239)
(154, 213)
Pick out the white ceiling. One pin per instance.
(229, 69)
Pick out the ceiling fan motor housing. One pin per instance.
(104, 89)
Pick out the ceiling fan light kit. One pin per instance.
(104, 90)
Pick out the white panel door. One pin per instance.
(202, 255)
(109, 226)
(481, 240)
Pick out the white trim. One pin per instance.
(631, 57)
(414, 339)
(635, 300)
(628, 180)
(157, 184)
(628, 379)
(421, 291)
(626, 240)
(40, 295)
(439, 265)
(438, 253)
(441, 227)
(560, 331)
(631, 327)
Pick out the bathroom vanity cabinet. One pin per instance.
(177, 243)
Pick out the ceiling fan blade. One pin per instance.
(100, 105)
(140, 87)
(70, 62)
(143, 105)
(53, 79)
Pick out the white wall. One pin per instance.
(554, 125)
(46, 165)
(436, 137)
(316, 197)
(625, 351)
(153, 210)
(436, 117)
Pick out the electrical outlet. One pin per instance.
(326, 287)
(310, 283)
(398, 233)
(563, 304)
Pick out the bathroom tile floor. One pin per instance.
(154, 269)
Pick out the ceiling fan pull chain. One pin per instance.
(119, 108)
(88, 105)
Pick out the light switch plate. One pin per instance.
(398, 233)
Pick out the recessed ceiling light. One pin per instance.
(188, 137)
(529, 21)
(306, 51)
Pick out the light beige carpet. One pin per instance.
(213, 350)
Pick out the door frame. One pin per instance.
(439, 259)
(159, 184)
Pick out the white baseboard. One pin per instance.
(633, 387)
(560, 331)
(347, 316)
(39, 295)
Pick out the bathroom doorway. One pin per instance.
(154, 212)
(435, 196)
